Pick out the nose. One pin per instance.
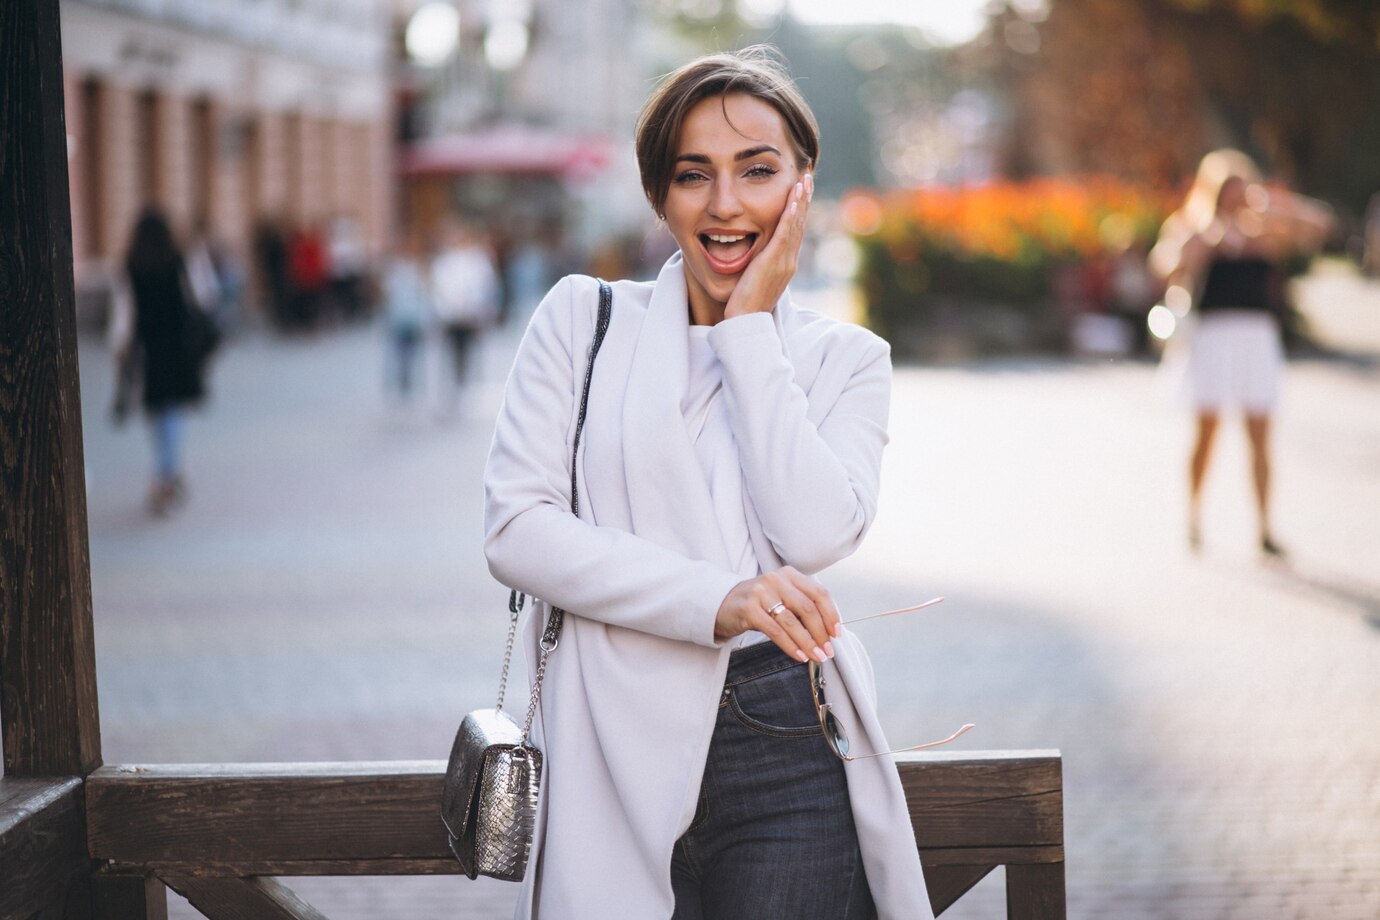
(723, 202)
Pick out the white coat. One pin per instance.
(631, 693)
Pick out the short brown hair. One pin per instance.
(756, 71)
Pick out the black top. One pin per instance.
(172, 375)
(1250, 283)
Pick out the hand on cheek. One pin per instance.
(766, 277)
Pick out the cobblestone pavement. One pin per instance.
(322, 596)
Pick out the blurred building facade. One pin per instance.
(526, 126)
(225, 114)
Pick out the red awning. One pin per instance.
(508, 149)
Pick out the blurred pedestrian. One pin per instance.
(407, 308)
(1227, 249)
(733, 445)
(346, 264)
(216, 277)
(465, 295)
(271, 250)
(172, 337)
(530, 271)
(1370, 238)
(308, 271)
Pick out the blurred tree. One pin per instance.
(1344, 22)
(711, 25)
(1097, 89)
(891, 109)
(1141, 88)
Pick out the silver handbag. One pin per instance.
(493, 778)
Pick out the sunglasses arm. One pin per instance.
(918, 747)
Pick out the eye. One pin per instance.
(689, 177)
(761, 171)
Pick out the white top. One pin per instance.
(631, 694)
(464, 287)
(707, 423)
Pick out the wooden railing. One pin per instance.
(218, 834)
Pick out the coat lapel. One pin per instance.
(667, 493)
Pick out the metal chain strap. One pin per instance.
(551, 637)
(515, 601)
(549, 640)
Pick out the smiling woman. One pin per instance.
(733, 449)
(726, 148)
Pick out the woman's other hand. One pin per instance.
(794, 610)
(766, 277)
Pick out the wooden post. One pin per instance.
(128, 896)
(47, 654)
(43, 863)
(1035, 892)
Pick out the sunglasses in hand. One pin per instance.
(833, 730)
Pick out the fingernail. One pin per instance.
(795, 206)
(819, 654)
(800, 655)
(838, 630)
(829, 649)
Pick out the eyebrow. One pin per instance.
(740, 155)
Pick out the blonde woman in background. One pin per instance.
(1226, 248)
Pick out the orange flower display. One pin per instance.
(996, 242)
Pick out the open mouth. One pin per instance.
(728, 253)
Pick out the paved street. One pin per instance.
(323, 597)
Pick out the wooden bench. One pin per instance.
(217, 833)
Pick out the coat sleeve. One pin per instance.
(532, 540)
(813, 473)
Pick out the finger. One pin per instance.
(811, 619)
(824, 602)
(766, 595)
(777, 631)
(801, 206)
(789, 623)
(797, 200)
(797, 614)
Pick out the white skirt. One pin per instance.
(1235, 361)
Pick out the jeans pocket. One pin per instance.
(701, 811)
(777, 704)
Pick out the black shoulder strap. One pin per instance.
(551, 635)
(601, 326)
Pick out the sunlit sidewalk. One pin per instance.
(323, 597)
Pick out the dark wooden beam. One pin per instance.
(128, 896)
(298, 867)
(982, 808)
(238, 813)
(43, 863)
(47, 655)
(946, 884)
(243, 899)
(985, 799)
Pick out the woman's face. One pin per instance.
(733, 174)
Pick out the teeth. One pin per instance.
(726, 239)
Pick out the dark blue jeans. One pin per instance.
(773, 836)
